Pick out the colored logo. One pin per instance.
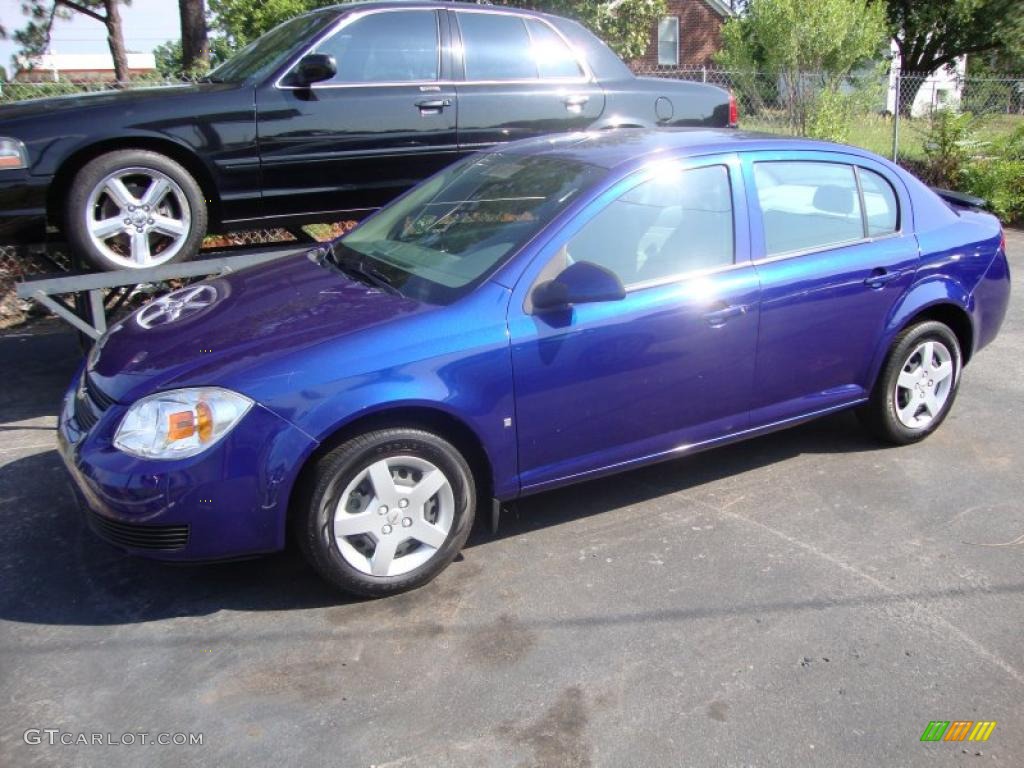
(958, 730)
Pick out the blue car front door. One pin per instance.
(603, 384)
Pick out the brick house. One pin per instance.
(689, 35)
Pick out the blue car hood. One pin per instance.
(236, 324)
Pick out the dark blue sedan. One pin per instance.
(556, 310)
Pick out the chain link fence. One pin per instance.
(62, 86)
(885, 113)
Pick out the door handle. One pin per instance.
(719, 317)
(576, 102)
(879, 277)
(433, 103)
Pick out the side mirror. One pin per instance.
(314, 68)
(581, 283)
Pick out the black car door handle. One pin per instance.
(434, 103)
(880, 277)
(719, 317)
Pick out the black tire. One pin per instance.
(323, 488)
(77, 204)
(879, 414)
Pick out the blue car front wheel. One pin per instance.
(386, 512)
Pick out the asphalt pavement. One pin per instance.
(806, 598)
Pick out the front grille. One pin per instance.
(90, 403)
(167, 538)
(101, 398)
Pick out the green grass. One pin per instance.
(874, 132)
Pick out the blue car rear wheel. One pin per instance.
(917, 385)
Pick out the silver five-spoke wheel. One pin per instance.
(138, 217)
(924, 384)
(394, 516)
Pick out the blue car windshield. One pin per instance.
(447, 235)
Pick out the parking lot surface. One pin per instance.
(806, 598)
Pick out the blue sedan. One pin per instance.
(546, 313)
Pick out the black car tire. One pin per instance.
(880, 415)
(320, 493)
(185, 200)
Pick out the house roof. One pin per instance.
(719, 7)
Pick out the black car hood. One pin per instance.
(123, 98)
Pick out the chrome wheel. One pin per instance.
(924, 385)
(138, 217)
(394, 516)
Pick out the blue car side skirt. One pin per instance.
(688, 450)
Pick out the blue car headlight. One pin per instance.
(180, 423)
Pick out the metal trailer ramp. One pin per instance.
(88, 315)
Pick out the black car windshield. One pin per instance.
(448, 234)
(269, 51)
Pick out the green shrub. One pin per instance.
(948, 144)
(998, 177)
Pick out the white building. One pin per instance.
(941, 88)
(79, 66)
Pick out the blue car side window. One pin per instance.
(671, 225)
(807, 205)
(880, 205)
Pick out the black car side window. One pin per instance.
(555, 60)
(496, 46)
(388, 47)
(677, 223)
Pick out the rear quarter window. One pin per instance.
(880, 204)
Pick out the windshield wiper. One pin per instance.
(361, 271)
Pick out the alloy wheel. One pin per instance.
(138, 217)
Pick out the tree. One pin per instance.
(934, 33)
(624, 24)
(930, 34)
(170, 62)
(34, 38)
(807, 50)
(242, 21)
(195, 44)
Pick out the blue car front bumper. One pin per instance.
(230, 501)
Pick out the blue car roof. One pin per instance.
(610, 149)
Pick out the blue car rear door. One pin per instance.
(834, 248)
